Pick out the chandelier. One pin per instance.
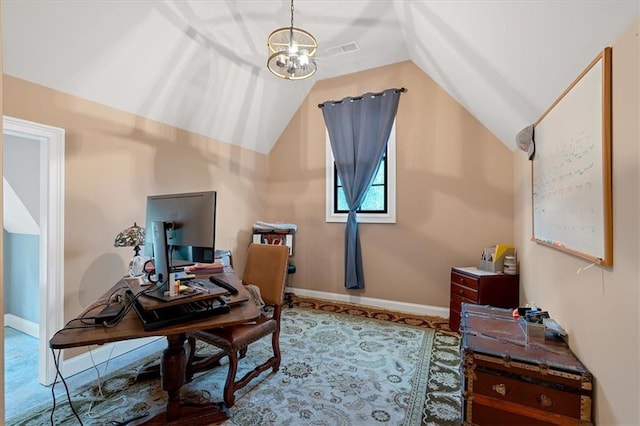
(291, 52)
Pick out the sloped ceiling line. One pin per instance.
(16, 218)
(200, 66)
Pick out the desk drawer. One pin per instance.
(464, 292)
(541, 396)
(464, 280)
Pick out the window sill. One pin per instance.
(362, 218)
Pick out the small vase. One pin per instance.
(136, 266)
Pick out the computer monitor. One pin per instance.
(191, 229)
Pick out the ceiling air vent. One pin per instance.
(343, 49)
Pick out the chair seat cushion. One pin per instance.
(239, 336)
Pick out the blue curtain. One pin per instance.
(358, 129)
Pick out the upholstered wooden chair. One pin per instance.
(266, 268)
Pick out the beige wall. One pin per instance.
(113, 160)
(598, 306)
(454, 192)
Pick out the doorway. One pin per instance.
(51, 241)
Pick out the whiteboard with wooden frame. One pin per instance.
(571, 168)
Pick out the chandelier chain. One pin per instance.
(291, 27)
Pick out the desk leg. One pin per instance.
(173, 374)
(195, 364)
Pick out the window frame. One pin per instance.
(330, 185)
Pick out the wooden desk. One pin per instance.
(174, 358)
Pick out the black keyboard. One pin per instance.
(177, 314)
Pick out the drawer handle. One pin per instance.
(545, 401)
(501, 389)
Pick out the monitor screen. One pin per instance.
(191, 230)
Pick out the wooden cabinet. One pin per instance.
(473, 285)
(509, 379)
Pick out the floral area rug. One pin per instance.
(437, 397)
(336, 369)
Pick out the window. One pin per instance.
(379, 205)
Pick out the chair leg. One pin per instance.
(197, 363)
(243, 352)
(275, 343)
(229, 386)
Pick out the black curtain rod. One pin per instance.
(401, 90)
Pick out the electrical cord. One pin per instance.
(95, 367)
(83, 319)
(126, 422)
(86, 320)
(56, 361)
(89, 321)
(130, 303)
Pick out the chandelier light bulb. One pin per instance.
(304, 59)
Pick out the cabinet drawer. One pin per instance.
(455, 303)
(464, 292)
(464, 280)
(529, 394)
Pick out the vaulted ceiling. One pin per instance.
(200, 64)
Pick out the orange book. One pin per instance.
(205, 268)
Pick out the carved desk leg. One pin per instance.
(172, 372)
(173, 375)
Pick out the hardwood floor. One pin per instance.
(22, 390)
(21, 385)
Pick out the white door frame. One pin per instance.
(51, 249)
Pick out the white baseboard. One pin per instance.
(391, 305)
(101, 354)
(22, 325)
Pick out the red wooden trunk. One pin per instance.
(512, 380)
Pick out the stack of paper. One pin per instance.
(503, 250)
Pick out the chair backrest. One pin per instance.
(266, 267)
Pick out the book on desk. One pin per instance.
(205, 268)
